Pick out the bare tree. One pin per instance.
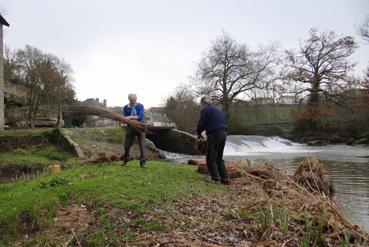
(57, 77)
(30, 60)
(230, 69)
(320, 68)
(46, 77)
(183, 109)
(363, 29)
(11, 67)
(366, 80)
(321, 65)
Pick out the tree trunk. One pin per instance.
(226, 108)
(60, 117)
(314, 117)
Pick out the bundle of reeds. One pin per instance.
(311, 174)
(201, 145)
(88, 110)
(234, 168)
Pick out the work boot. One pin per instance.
(125, 160)
(143, 164)
(212, 181)
(225, 181)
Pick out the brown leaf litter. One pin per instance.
(263, 207)
(74, 216)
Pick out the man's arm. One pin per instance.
(201, 122)
(141, 113)
(125, 111)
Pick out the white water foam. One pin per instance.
(262, 147)
(241, 145)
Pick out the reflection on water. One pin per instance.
(351, 181)
(347, 166)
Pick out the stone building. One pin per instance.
(97, 121)
(2, 119)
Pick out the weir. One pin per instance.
(253, 144)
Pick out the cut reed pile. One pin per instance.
(304, 205)
(311, 175)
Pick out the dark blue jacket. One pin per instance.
(211, 120)
(140, 112)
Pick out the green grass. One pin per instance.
(53, 153)
(24, 159)
(107, 134)
(39, 155)
(99, 186)
(27, 132)
(98, 141)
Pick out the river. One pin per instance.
(347, 166)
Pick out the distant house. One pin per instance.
(262, 100)
(288, 100)
(157, 119)
(3, 22)
(158, 109)
(95, 102)
(97, 121)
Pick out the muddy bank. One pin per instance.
(11, 142)
(11, 172)
(320, 139)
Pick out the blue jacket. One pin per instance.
(140, 112)
(211, 120)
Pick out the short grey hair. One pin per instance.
(132, 95)
(205, 100)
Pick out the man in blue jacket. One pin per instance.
(134, 110)
(212, 121)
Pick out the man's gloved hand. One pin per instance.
(201, 144)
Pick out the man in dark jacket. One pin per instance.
(134, 110)
(212, 121)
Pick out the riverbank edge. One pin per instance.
(326, 138)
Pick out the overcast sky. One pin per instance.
(151, 46)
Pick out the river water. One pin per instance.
(347, 166)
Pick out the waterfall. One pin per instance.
(239, 145)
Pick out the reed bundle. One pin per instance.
(88, 110)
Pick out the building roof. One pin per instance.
(287, 97)
(3, 21)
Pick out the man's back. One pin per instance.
(211, 120)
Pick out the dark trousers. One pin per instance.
(131, 133)
(214, 156)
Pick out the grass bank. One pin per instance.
(29, 208)
(26, 153)
(170, 204)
